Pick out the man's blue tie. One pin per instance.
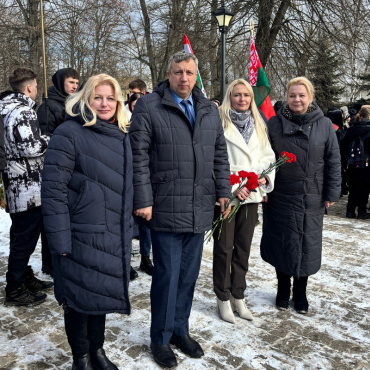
(185, 104)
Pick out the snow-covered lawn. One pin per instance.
(334, 335)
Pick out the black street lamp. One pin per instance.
(223, 16)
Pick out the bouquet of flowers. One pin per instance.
(248, 180)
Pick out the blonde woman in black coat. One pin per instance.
(293, 216)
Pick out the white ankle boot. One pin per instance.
(240, 306)
(225, 311)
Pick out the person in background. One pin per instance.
(145, 240)
(180, 169)
(249, 150)
(336, 117)
(135, 86)
(87, 199)
(216, 102)
(358, 178)
(65, 83)
(293, 216)
(24, 152)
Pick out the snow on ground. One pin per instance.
(334, 335)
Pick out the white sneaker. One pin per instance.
(225, 311)
(240, 306)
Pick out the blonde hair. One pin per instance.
(224, 110)
(364, 112)
(86, 96)
(301, 81)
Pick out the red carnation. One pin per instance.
(234, 179)
(252, 182)
(243, 174)
(289, 157)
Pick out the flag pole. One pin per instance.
(251, 27)
(44, 63)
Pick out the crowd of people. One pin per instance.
(98, 166)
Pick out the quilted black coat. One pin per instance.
(293, 216)
(178, 170)
(87, 199)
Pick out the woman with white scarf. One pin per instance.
(249, 150)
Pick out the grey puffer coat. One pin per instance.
(178, 170)
(87, 206)
(293, 215)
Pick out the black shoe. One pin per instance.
(299, 295)
(146, 265)
(351, 215)
(100, 361)
(48, 270)
(163, 355)
(363, 216)
(133, 274)
(24, 297)
(283, 293)
(83, 363)
(187, 345)
(33, 284)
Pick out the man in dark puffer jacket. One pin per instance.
(180, 168)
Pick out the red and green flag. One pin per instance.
(260, 84)
(188, 49)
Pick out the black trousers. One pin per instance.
(24, 234)
(45, 251)
(358, 196)
(231, 252)
(85, 333)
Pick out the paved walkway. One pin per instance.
(334, 335)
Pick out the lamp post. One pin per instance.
(223, 16)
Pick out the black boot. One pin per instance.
(363, 216)
(283, 293)
(299, 295)
(351, 214)
(33, 284)
(82, 363)
(133, 274)
(146, 265)
(100, 361)
(24, 297)
(163, 355)
(187, 345)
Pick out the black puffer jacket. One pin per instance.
(56, 100)
(293, 215)
(356, 130)
(177, 170)
(87, 206)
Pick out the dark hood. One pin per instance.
(58, 81)
(55, 94)
(102, 127)
(291, 127)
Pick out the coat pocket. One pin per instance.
(88, 214)
(163, 186)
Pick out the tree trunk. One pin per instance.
(148, 41)
(266, 36)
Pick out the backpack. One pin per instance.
(356, 155)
